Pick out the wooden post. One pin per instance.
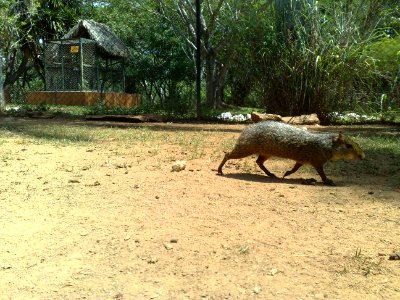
(44, 44)
(82, 82)
(62, 65)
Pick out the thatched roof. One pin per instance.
(108, 43)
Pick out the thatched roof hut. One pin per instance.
(108, 43)
(88, 58)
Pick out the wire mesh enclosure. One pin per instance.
(78, 65)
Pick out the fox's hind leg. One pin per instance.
(295, 168)
(260, 162)
(236, 153)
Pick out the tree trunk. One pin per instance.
(211, 78)
(13, 75)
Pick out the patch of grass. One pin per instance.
(64, 134)
(248, 165)
(39, 134)
(58, 133)
(59, 110)
(196, 145)
(243, 249)
(155, 150)
(192, 143)
(7, 156)
(228, 144)
(358, 263)
(382, 154)
(392, 116)
(387, 144)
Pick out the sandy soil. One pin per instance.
(105, 220)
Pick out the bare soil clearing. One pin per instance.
(105, 218)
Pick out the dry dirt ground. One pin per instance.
(103, 219)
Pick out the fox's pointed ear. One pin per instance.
(340, 137)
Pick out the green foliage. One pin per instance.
(319, 64)
(384, 54)
(23, 24)
(314, 56)
(159, 68)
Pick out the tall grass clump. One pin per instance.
(317, 60)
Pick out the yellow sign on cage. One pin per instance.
(74, 49)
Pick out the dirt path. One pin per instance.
(105, 220)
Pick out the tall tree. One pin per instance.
(216, 37)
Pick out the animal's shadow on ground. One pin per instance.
(314, 181)
(368, 190)
(266, 179)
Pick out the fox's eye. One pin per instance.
(349, 146)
